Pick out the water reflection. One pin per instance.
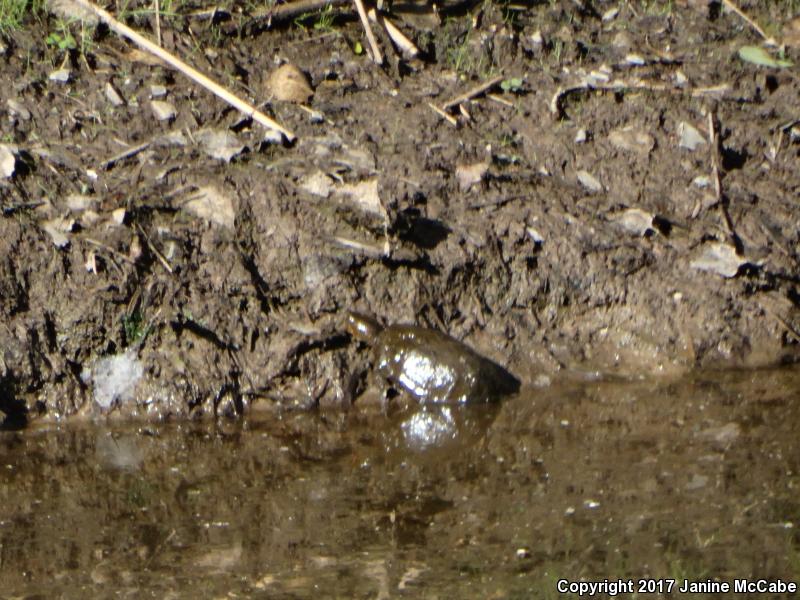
(601, 480)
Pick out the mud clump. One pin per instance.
(111, 240)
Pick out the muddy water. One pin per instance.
(691, 479)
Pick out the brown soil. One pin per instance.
(527, 265)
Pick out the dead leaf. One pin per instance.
(289, 84)
(469, 175)
(211, 204)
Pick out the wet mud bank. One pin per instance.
(554, 232)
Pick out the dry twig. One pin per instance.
(770, 41)
(474, 92)
(720, 199)
(444, 114)
(191, 73)
(632, 84)
(377, 57)
(398, 37)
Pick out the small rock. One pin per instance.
(58, 229)
(611, 14)
(60, 76)
(118, 216)
(689, 137)
(634, 221)
(80, 202)
(724, 434)
(535, 235)
(114, 378)
(680, 78)
(17, 109)
(581, 136)
(163, 111)
(589, 181)
(211, 204)
(365, 195)
(158, 91)
(219, 143)
(635, 60)
(289, 84)
(632, 140)
(718, 258)
(469, 175)
(701, 181)
(8, 160)
(113, 96)
(318, 184)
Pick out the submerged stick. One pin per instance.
(190, 72)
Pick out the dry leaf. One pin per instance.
(58, 229)
(289, 84)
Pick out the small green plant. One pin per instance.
(12, 12)
(62, 41)
(134, 328)
(325, 19)
(514, 84)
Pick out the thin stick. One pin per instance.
(635, 84)
(712, 133)
(377, 57)
(127, 153)
(283, 12)
(476, 91)
(161, 258)
(191, 73)
(402, 42)
(500, 100)
(767, 39)
(158, 22)
(444, 114)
